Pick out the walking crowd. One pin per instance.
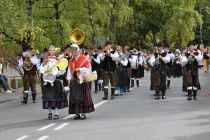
(62, 71)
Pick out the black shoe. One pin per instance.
(163, 97)
(168, 84)
(34, 101)
(189, 98)
(194, 98)
(23, 102)
(34, 97)
(77, 117)
(112, 97)
(50, 116)
(82, 117)
(157, 97)
(105, 98)
(56, 117)
(25, 99)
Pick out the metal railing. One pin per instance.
(14, 81)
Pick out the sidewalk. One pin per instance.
(7, 97)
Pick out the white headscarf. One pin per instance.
(75, 47)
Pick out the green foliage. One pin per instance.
(181, 26)
(11, 19)
(125, 22)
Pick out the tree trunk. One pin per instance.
(92, 23)
(58, 24)
(179, 40)
(29, 13)
(112, 21)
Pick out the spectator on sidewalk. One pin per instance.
(206, 56)
(4, 81)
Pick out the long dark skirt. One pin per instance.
(158, 79)
(138, 73)
(121, 79)
(177, 70)
(169, 70)
(86, 106)
(141, 71)
(54, 97)
(184, 78)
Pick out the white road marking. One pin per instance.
(43, 138)
(23, 137)
(100, 103)
(61, 126)
(96, 105)
(45, 127)
(68, 117)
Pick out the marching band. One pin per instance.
(63, 72)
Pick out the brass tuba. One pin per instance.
(27, 62)
(77, 36)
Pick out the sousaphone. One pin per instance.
(77, 36)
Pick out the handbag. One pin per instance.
(90, 77)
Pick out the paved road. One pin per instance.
(134, 116)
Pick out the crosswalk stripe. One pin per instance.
(61, 126)
(23, 137)
(100, 103)
(68, 117)
(43, 138)
(96, 105)
(47, 126)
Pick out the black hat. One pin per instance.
(136, 48)
(108, 43)
(191, 43)
(45, 50)
(160, 44)
(82, 46)
(25, 47)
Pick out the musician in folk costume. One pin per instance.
(170, 67)
(128, 67)
(177, 67)
(136, 60)
(30, 64)
(100, 69)
(121, 72)
(191, 62)
(109, 58)
(206, 56)
(95, 62)
(54, 94)
(49, 65)
(80, 101)
(158, 62)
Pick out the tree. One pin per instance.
(182, 25)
